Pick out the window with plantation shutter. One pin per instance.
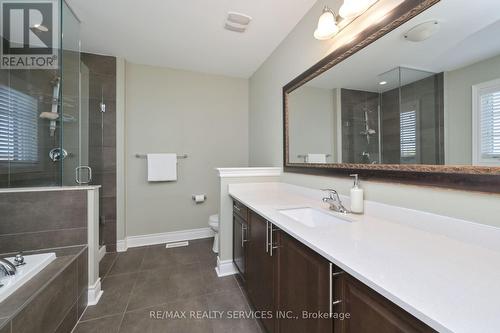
(18, 126)
(486, 122)
(408, 136)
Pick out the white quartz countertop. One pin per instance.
(444, 271)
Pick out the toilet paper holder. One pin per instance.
(199, 198)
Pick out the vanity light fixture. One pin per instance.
(330, 24)
(351, 9)
(327, 25)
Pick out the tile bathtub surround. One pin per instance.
(52, 300)
(154, 278)
(42, 219)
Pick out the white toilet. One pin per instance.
(213, 222)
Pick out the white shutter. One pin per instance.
(408, 136)
(18, 126)
(490, 125)
(486, 123)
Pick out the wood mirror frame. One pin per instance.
(471, 178)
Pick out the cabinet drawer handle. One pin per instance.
(243, 240)
(336, 302)
(267, 236)
(237, 208)
(337, 273)
(271, 238)
(331, 289)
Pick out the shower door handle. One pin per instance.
(77, 174)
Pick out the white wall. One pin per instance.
(298, 52)
(204, 116)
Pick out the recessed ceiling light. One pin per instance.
(383, 83)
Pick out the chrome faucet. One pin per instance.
(334, 201)
(7, 268)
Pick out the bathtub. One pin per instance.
(34, 264)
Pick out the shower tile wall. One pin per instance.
(102, 140)
(354, 104)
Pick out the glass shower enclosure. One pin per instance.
(401, 122)
(44, 113)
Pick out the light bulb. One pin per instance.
(353, 8)
(327, 25)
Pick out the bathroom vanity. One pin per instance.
(391, 270)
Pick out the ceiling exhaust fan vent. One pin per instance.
(237, 22)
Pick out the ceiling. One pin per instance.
(467, 34)
(187, 34)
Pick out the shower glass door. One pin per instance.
(75, 126)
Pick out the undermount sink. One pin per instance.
(313, 217)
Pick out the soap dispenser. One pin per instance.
(357, 200)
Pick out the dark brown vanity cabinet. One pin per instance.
(294, 289)
(304, 288)
(240, 237)
(261, 273)
(372, 313)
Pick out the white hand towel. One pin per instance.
(316, 158)
(162, 167)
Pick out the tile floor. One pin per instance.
(150, 279)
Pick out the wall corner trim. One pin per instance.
(121, 245)
(94, 293)
(225, 267)
(249, 172)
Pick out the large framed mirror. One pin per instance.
(413, 97)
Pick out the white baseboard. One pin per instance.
(94, 293)
(102, 253)
(121, 245)
(225, 267)
(249, 172)
(162, 238)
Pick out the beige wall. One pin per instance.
(204, 116)
(297, 53)
(312, 123)
(458, 107)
